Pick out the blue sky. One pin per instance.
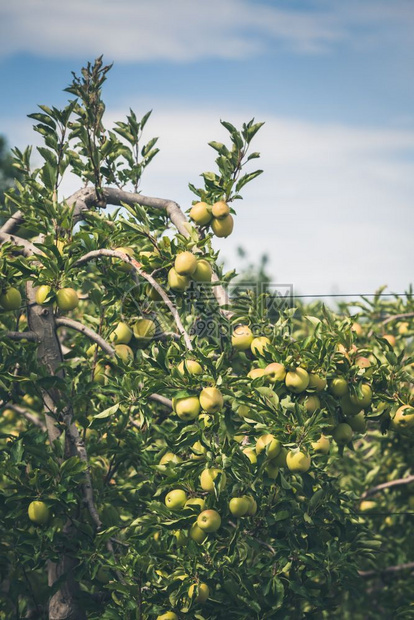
(332, 80)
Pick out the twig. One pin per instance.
(137, 267)
(405, 315)
(31, 336)
(387, 485)
(90, 333)
(161, 399)
(367, 574)
(29, 416)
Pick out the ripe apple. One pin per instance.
(169, 458)
(200, 213)
(403, 418)
(298, 462)
(342, 433)
(357, 329)
(222, 227)
(311, 402)
(203, 271)
(220, 209)
(208, 477)
(169, 615)
(191, 366)
(198, 502)
(124, 352)
(9, 415)
(187, 408)
(338, 386)
(239, 506)
(365, 399)
(253, 506)
(150, 258)
(322, 445)
(209, 521)
(38, 512)
(242, 338)
(243, 411)
(348, 407)
(199, 451)
(203, 592)
(403, 328)
(42, 292)
(297, 380)
(175, 500)
(357, 422)
(269, 443)
(275, 372)
(67, 299)
(251, 455)
(176, 282)
(211, 400)
(255, 373)
(197, 534)
(122, 334)
(316, 382)
(10, 298)
(130, 252)
(144, 330)
(259, 344)
(390, 339)
(185, 263)
(367, 505)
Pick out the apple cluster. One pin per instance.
(217, 216)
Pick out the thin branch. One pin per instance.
(137, 267)
(90, 333)
(405, 315)
(30, 336)
(161, 399)
(26, 414)
(367, 574)
(387, 485)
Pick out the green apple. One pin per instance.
(9, 415)
(198, 450)
(275, 372)
(191, 366)
(297, 380)
(222, 227)
(322, 445)
(200, 213)
(255, 373)
(203, 592)
(298, 462)
(211, 400)
(242, 338)
(169, 458)
(185, 263)
(311, 402)
(348, 407)
(10, 298)
(130, 252)
(259, 344)
(209, 521)
(363, 400)
(176, 499)
(239, 506)
(269, 443)
(152, 259)
(280, 459)
(176, 282)
(38, 512)
(198, 502)
(181, 538)
(122, 334)
(208, 477)
(357, 422)
(169, 615)
(338, 386)
(243, 411)
(203, 271)
(187, 408)
(124, 352)
(251, 455)
(42, 292)
(403, 418)
(144, 330)
(316, 382)
(220, 209)
(197, 534)
(367, 505)
(253, 506)
(390, 339)
(67, 299)
(342, 433)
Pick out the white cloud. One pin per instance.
(188, 30)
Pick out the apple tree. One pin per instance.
(168, 451)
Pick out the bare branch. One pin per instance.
(26, 414)
(30, 336)
(387, 485)
(90, 333)
(405, 315)
(13, 222)
(137, 267)
(367, 574)
(161, 399)
(28, 248)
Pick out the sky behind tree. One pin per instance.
(332, 80)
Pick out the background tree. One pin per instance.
(169, 451)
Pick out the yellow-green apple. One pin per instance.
(316, 382)
(223, 227)
(10, 298)
(122, 334)
(367, 505)
(181, 538)
(243, 411)
(125, 267)
(259, 344)
(275, 372)
(198, 502)
(253, 506)
(390, 339)
(197, 534)
(357, 422)
(200, 213)
(322, 445)
(124, 352)
(342, 433)
(203, 271)
(403, 418)
(42, 292)
(187, 408)
(242, 338)
(176, 282)
(176, 499)
(255, 373)
(298, 462)
(67, 299)
(169, 615)
(191, 366)
(348, 407)
(185, 263)
(144, 330)
(364, 399)
(169, 458)
(198, 450)
(272, 469)
(338, 386)
(238, 506)
(269, 443)
(38, 512)
(280, 459)
(297, 380)
(311, 402)
(220, 209)
(202, 590)
(209, 476)
(211, 400)
(357, 329)
(251, 455)
(209, 521)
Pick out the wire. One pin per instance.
(353, 295)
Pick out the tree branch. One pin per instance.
(13, 222)
(28, 248)
(90, 333)
(161, 399)
(386, 571)
(405, 315)
(137, 267)
(387, 485)
(26, 414)
(30, 336)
